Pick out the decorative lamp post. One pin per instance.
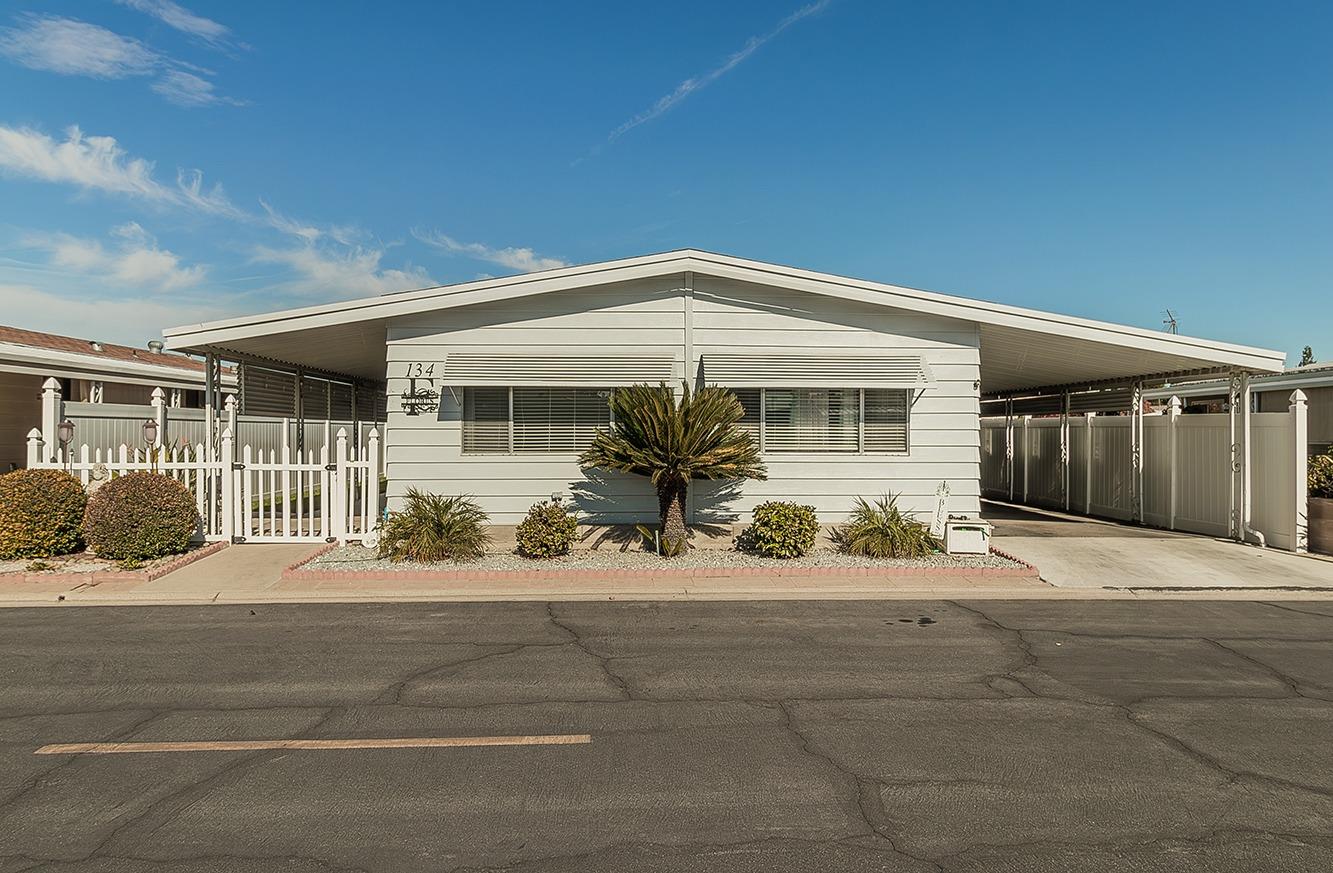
(150, 441)
(65, 435)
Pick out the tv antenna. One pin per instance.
(1172, 324)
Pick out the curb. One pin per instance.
(299, 572)
(97, 577)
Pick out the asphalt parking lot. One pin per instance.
(790, 736)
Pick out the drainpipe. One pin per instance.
(1246, 477)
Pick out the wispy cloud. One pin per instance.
(522, 259)
(71, 47)
(342, 272)
(131, 319)
(695, 84)
(99, 163)
(182, 19)
(76, 48)
(188, 90)
(134, 261)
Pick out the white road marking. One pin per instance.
(311, 745)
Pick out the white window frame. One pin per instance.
(509, 395)
(909, 398)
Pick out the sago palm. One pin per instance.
(673, 440)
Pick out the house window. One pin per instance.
(828, 420)
(532, 420)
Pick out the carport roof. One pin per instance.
(1021, 349)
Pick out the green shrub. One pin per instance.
(140, 516)
(781, 529)
(548, 532)
(41, 513)
(1321, 475)
(432, 527)
(880, 530)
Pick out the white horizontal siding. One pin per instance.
(648, 317)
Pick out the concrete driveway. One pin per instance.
(1076, 552)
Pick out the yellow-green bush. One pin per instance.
(781, 529)
(548, 531)
(41, 512)
(1321, 475)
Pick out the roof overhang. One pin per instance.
(33, 361)
(1021, 349)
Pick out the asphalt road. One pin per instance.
(793, 736)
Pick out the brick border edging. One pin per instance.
(299, 572)
(97, 577)
(1030, 568)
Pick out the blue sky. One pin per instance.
(164, 163)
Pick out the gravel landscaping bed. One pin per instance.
(358, 559)
(83, 562)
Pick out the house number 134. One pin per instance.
(420, 371)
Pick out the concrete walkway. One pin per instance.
(1082, 553)
(1078, 559)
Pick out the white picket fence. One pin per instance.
(1188, 477)
(250, 496)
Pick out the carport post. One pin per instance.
(1087, 465)
(1173, 417)
(1009, 445)
(1233, 404)
(1064, 449)
(1026, 458)
(1136, 453)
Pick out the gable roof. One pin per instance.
(1021, 348)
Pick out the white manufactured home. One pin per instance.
(853, 388)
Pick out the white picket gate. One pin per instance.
(261, 496)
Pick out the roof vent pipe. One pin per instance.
(155, 346)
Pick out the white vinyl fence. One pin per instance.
(110, 425)
(1189, 474)
(271, 492)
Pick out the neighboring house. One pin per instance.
(89, 372)
(853, 388)
(1272, 393)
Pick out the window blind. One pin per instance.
(886, 412)
(485, 420)
(811, 420)
(846, 420)
(532, 420)
(749, 398)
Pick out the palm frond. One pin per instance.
(432, 527)
(880, 530)
(670, 440)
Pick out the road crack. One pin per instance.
(603, 661)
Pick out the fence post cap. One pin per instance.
(158, 395)
(226, 433)
(342, 433)
(34, 434)
(1298, 397)
(51, 384)
(374, 434)
(230, 402)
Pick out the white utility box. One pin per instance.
(967, 536)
